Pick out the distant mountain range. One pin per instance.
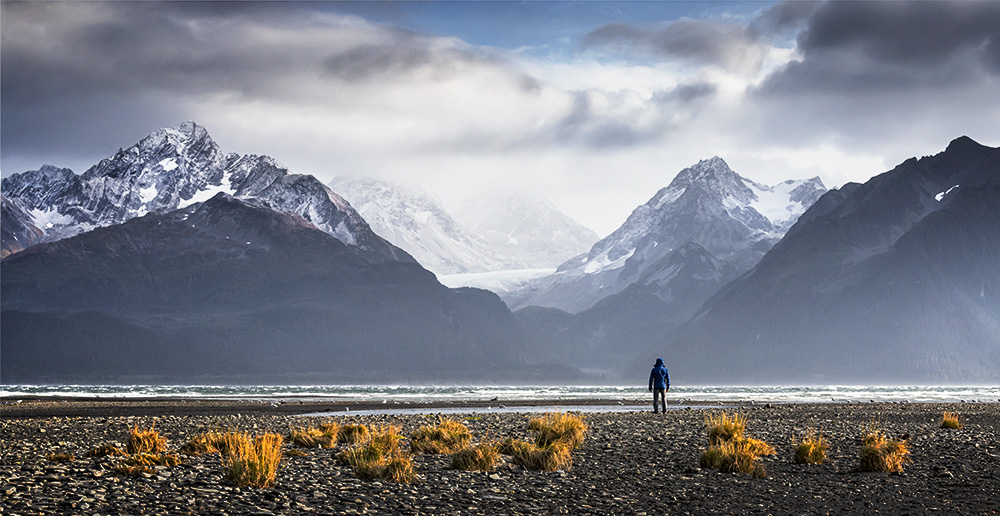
(171, 261)
(413, 220)
(170, 169)
(731, 218)
(897, 279)
(187, 264)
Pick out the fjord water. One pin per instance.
(453, 393)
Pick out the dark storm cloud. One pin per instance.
(700, 41)
(781, 18)
(892, 46)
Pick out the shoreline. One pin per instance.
(72, 406)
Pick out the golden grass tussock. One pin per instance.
(145, 440)
(736, 456)
(723, 427)
(209, 442)
(482, 457)
(951, 420)
(880, 453)
(553, 428)
(133, 471)
(729, 450)
(60, 457)
(448, 436)
(105, 451)
(315, 437)
(354, 434)
(380, 457)
(553, 457)
(152, 459)
(811, 449)
(252, 462)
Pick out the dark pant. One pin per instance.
(659, 394)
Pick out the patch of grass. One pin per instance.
(133, 471)
(483, 457)
(729, 450)
(252, 462)
(951, 420)
(380, 457)
(145, 440)
(723, 427)
(879, 453)
(553, 457)
(209, 442)
(554, 428)
(354, 433)
(60, 457)
(811, 449)
(105, 451)
(153, 459)
(736, 456)
(448, 436)
(322, 437)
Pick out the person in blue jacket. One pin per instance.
(659, 384)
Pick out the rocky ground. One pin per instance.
(631, 463)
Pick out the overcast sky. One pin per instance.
(593, 105)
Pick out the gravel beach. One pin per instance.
(631, 463)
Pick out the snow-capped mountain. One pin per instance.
(734, 219)
(170, 169)
(415, 221)
(525, 228)
(893, 280)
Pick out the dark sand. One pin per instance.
(631, 463)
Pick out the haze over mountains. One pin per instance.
(173, 260)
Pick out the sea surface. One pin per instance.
(452, 393)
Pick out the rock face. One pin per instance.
(412, 220)
(529, 230)
(232, 290)
(734, 219)
(895, 280)
(170, 169)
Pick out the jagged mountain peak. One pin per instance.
(176, 167)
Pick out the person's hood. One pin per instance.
(659, 362)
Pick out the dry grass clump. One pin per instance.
(729, 451)
(105, 451)
(145, 440)
(448, 436)
(133, 471)
(811, 449)
(380, 457)
(484, 457)
(152, 459)
(553, 457)
(252, 462)
(209, 442)
(354, 433)
(723, 427)
(60, 457)
(879, 453)
(553, 428)
(951, 420)
(323, 437)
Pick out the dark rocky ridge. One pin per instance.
(232, 289)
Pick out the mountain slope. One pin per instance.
(707, 204)
(411, 219)
(895, 280)
(170, 169)
(526, 229)
(233, 289)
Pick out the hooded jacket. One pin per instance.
(659, 378)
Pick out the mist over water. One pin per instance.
(446, 393)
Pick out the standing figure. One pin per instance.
(659, 384)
